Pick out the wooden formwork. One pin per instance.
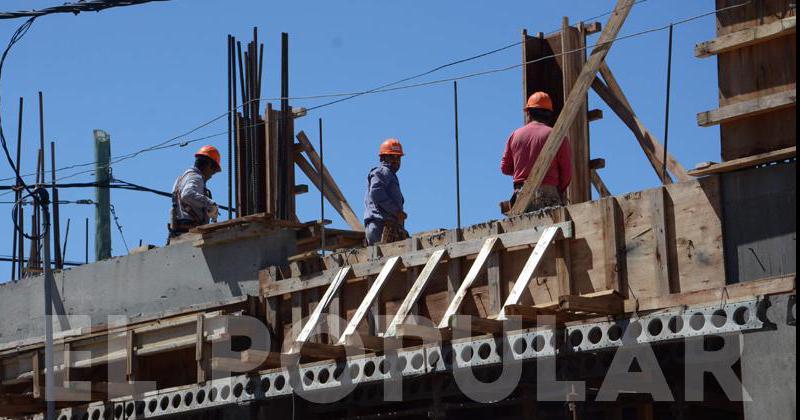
(644, 246)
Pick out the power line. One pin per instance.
(75, 8)
(349, 95)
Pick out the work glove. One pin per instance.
(213, 213)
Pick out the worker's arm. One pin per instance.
(507, 161)
(193, 192)
(379, 193)
(564, 159)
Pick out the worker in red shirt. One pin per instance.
(524, 147)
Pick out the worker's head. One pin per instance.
(540, 108)
(207, 160)
(391, 152)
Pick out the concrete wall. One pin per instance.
(769, 365)
(143, 284)
(760, 222)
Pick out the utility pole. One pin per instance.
(42, 201)
(102, 214)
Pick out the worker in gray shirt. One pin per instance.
(192, 205)
(384, 217)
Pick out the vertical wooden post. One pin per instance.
(572, 62)
(663, 284)
(413, 272)
(272, 308)
(611, 257)
(200, 352)
(453, 267)
(563, 258)
(297, 313)
(494, 277)
(37, 374)
(130, 356)
(67, 362)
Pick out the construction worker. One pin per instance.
(192, 205)
(383, 214)
(524, 147)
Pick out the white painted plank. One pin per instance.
(529, 269)
(313, 319)
(477, 265)
(372, 294)
(415, 292)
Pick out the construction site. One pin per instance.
(673, 302)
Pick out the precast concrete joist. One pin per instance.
(465, 353)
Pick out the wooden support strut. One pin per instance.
(416, 291)
(339, 204)
(313, 319)
(611, 93)
(372, 294)
(474, 271)
(574, 103)
(529, 269)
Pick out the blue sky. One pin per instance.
(148, 73)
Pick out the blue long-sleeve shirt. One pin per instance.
(383, 200)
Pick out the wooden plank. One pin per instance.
(611, 303)
(411, 259)
(579, 189)
(749, 108)
(730, 293)
(477, 265)
(38, 379)
(416, 291)
(594, 115)
(425, 333)
(746, 162)
(454, 265)
(747, 37)
(476, 325)
(521, 284)
(200, 352)
(611, 246)
(319, 351)
(575, 102)
(130, 356)
(564, 259)
(412, 273)
(313, 319)
(341, 206)
(599, 185)
(663, 284)
(598, 163)
(349, 216)
(611, 93)
(388, 269)
(495, 285)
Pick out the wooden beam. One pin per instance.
(300, 189)
(312, 321)
(574, 103)
(598, 163)
(746, 162)
(599, 185)
(747, 37)
(594, 115)
(496, 285)
(663, 284)
(611, 303)
(372, 294)
(730, 293)
(745, 109)
(525, 276)
(411, 259)
(611, 93)
(337, 202)
(476, 325)
(611, 245)
(415, 292)
(474, 271)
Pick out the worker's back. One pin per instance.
(524, 147)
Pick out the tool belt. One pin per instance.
(393, 232)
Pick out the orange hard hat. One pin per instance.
(539, 100)
(212, 153)
(391, 147)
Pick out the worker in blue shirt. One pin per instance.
(384, 217)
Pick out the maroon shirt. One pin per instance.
(525, 145)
